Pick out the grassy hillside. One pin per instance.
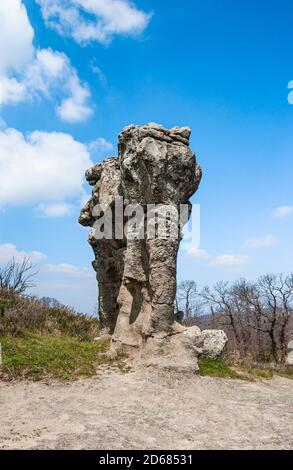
(40, 342)
(19, 314)
(40, 356)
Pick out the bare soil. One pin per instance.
(147, 409)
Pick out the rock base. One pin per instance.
(179, 351)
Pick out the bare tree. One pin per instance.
(187, 299)
(17, 277)
(285, 292)
(259, 315)
(277, 298)
(248, 299)
(221, 299)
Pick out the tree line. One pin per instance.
(257, 316)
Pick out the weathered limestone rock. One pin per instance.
(214, 342)
(290, 353)
(177, 351)
(137, 274)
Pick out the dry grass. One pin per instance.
(39, 342)
(19, 314)
(227, 369)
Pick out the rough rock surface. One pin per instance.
(290, 353)
(214, 342)
(137, 275)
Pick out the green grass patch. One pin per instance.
(38, 357)
(255, 372)
(217, 368)
(286, 376)
(287, 372)
(220, 368)
(268, 373)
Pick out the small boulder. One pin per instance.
(290, 353)
(214, 342)
(194, 335)
(290, 358)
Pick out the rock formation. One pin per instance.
(136, 271)
(290, 353)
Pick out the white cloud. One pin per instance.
(195, 252)
(9, 251)
(11, 91)
(230, 261)
(51, 62)
(69, 270)
(234, 262)
(48, 75)
(41, 168)
(290, 95)
(74, 109)
(3, 124)
(93, 20)
(37, 72)
(100, 144)
(16, 36)
(282, 212)
(100, 74)
(60, 209)
(263, 242)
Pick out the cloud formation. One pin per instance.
(60, 209)
(231, 261)
(16, 36)
(8, 251)
(44, 169)
(263, 242)
(282, 211)
(101, 144)
(27, 73)
(69, 270)
(195, 252)
(93, 20)
(290, 95)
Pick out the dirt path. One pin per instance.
(147, 410)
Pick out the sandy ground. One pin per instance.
(147, 409)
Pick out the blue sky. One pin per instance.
(73, 73)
